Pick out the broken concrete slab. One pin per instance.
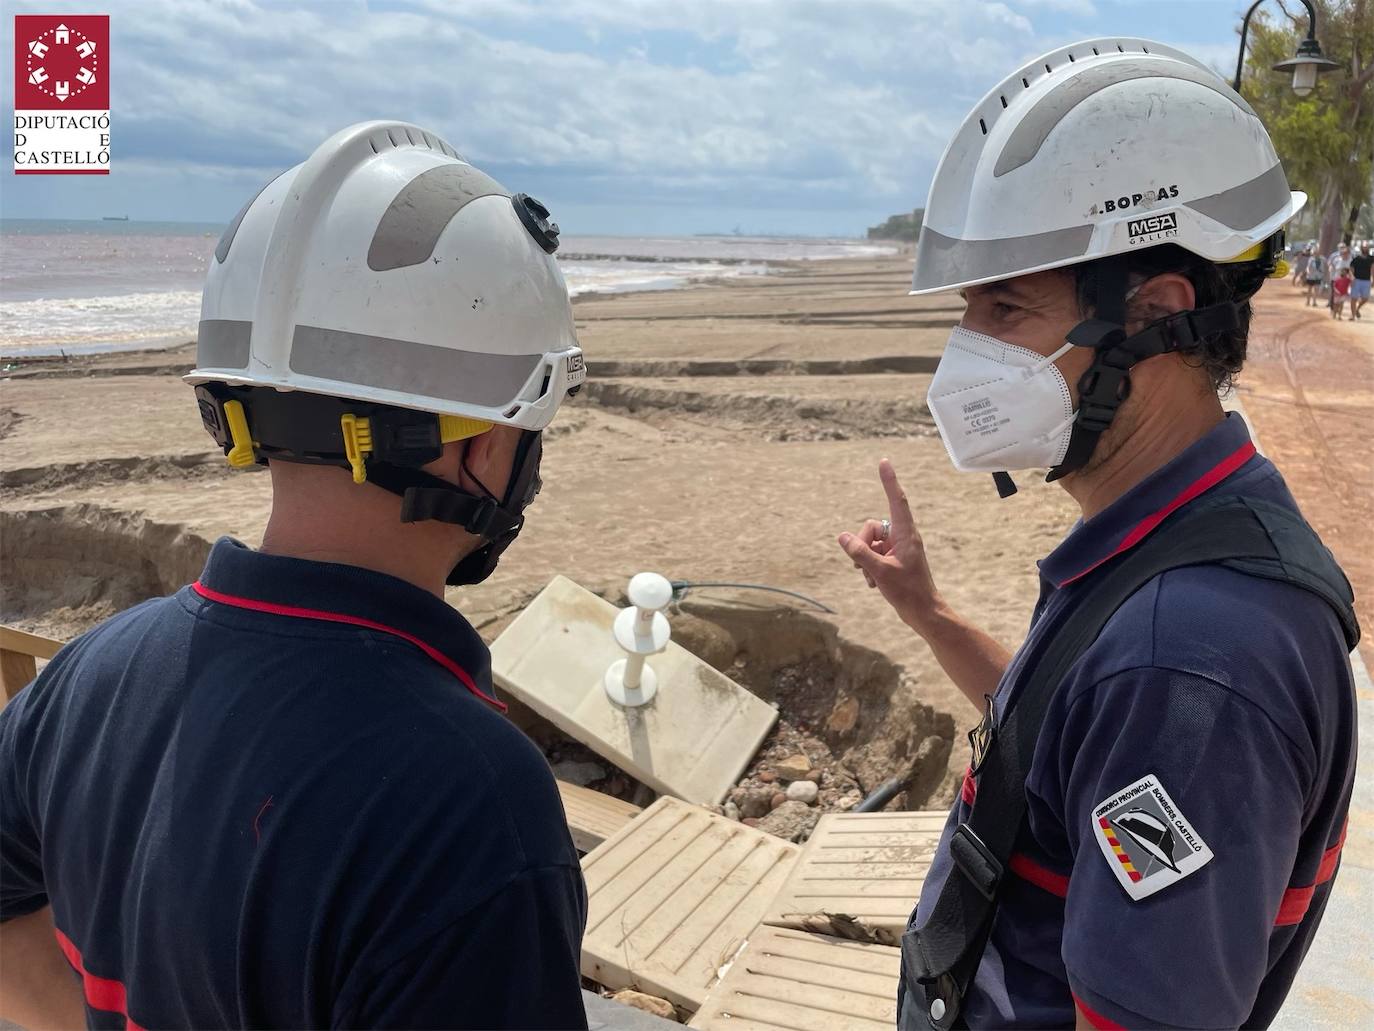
(672, 896)
(865, 867)
(785, 978)
(693, 740)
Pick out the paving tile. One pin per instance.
(869, 866)
(809, 982)
(673, 896)
(693, 740)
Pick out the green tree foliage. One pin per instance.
(906, 226)
(1326, 139)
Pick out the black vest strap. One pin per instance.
(940, 958)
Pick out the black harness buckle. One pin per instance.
(975, 861)
(479, 522)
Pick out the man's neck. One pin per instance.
(318, 546)
(318, 515)
(1133, 450)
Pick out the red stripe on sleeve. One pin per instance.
(968, 790)
(102, 993)
(1029, 870)
(1296, 901)
(1097, 1020)
(338, 617)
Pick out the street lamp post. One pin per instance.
(1305, 65)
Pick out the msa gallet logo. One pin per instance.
(1152, 228)
(1126, 202)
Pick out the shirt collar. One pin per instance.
(1129, 519)
(332, 592)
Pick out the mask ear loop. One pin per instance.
(1048, 360)
(480, 485)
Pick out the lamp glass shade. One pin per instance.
(1304, 78)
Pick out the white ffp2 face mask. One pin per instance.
(1000, 407)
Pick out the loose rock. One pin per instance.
(579, 773)
(803, 791)
(795, 767)
(778, 799)
(844, 716)
(756, 803)
(793, 821)
(731, 811)
(648, 1003)
(767, 776)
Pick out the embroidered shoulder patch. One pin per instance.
(1147, 841)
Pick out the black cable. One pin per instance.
(681, 587)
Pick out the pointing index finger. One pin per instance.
(897, 503)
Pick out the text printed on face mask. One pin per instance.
(982, 418)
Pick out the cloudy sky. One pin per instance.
(624, 116)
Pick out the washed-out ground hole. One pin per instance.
(849, 718)
(847, 715)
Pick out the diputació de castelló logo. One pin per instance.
(61, 94)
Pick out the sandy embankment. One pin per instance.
(728, 432)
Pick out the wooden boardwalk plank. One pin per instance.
(786, 978)
(673, 895)
(865, 865)
(593, 816)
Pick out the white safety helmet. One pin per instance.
(387, 269)
(378, 302)
(1095, 149)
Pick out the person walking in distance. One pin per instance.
(1300, 265)
(286, 795)
(1158, 788)
(1340, 290)
(1360, 266)
(1315, 276)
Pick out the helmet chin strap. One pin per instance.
(1106, 384)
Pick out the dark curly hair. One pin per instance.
(1221, 354)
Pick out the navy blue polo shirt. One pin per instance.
(282, 797)
(1232, 693)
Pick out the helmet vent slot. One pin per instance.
(1049, 70)
(1095, 52)
(411, 137)
(373, 145)
(1025, 82)
(1071, 58)
(391, 137)
(1003, 100)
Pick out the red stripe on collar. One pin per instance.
(338, 617)
(1203, 483)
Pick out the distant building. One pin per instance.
(906, 226)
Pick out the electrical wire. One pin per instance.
(681, 587)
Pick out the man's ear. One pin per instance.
(1161, 296)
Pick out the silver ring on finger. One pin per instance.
(886, 530)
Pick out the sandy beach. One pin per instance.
(728, 432)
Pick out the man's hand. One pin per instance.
(896, 563)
